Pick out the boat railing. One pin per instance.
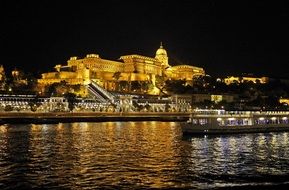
(237, 113)
(271, 113)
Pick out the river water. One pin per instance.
(138, 155)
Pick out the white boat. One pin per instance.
(206, 121)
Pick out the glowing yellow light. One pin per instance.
(3, 129)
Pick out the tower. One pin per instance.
(161, 55)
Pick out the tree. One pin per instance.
(167, 107)
(8, 108)
(71, 99)
(146, 86)
(176, 86)
(160, 83)
(51, 90)
(123, 85)
(147, 107)
(34, 104)
(117, 76)
(135, 86)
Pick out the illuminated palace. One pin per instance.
(130, 68)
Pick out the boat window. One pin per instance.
(203, 121)
(195, 121)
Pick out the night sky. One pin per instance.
(225, 38)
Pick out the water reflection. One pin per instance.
(239, 160)
(136, 155)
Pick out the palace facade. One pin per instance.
(108, 73)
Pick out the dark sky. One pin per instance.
(225, 38)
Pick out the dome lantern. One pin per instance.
(162, 56)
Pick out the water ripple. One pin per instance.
(137, 155)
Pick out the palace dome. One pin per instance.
(161, 51)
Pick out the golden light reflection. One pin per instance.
(261, 141)
(35, 127)
(285, 138)
(3, 128)
(274, 140)
(142, 145)
(75, 126)
(45, 128)
(59, 127)
(83, 126)
(150, 154)
(110, 124)
(233, 144)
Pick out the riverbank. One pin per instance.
(68, 117)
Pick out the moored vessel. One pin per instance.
(206, 121)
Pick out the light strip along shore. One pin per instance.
(64, 117)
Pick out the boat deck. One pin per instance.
(223, 122)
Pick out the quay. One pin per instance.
(66, 117)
